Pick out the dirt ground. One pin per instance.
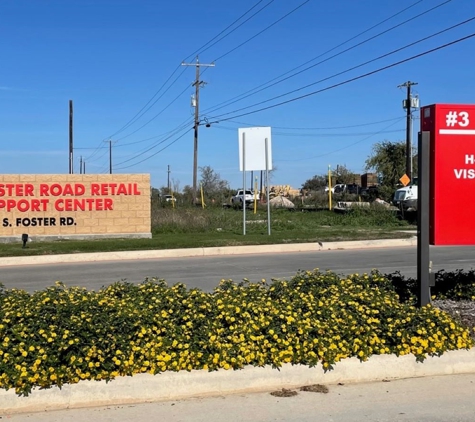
(461, 310)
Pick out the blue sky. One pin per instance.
(111, 56)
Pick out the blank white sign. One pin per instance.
(255, 147)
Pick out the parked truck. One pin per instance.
(247, 197)
(406, 198)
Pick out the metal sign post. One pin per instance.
(423, 219)
(255, 154)
(244, 184)
(267, 186)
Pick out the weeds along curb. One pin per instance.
(179, 385)
(194, 252)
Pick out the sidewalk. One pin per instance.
(429, 399)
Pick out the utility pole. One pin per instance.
(197, 84)
(168, 178)
(408, 104)
(110, 155)
(71, 162)
(80, 165)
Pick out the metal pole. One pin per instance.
(408, 108)
(410, 145)
(260, 188)
(244, 184)
(423, 219)
(267, 187)
(168, 181)
(110, 156)
(408, 132)
(197, 123)
(71, 149)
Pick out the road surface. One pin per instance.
(206, 272)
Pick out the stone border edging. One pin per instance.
(194, 252)
(143, 388)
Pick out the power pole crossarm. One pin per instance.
(197, 84)
(408, 106)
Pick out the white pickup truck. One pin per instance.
(237, 199)
(406, 198)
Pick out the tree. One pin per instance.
(389, 161)
(213, 186)
(316, 182)
(344, 175)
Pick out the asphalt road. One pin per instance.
(206, 272)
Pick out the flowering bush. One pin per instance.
(64, 335)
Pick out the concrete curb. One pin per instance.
(194, 252)
(178, 385)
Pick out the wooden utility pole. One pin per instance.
(71, 158)
(197, 84)
(408, 106)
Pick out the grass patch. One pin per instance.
(196, 227)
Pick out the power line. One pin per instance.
(141, 112)
(278, 79)
(153, 155)
(136, 117)
(357, 77)
(156, 115)
(346, 146)
(262, 31)
(314, 135)
(316, 128)
(200, 51)
(149, 107)
(218, 118)
(155, 145)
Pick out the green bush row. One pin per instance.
(63, 335)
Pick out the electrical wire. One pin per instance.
(265, 29)
(143, 110)
(237, 27)
(280, 79)
(262, 31)
(153, 155)
(218, 118)
(175, 132)
(151, 105)
(347, 146)
(313, 135)
(316, 128)
(156, 115)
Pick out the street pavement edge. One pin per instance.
(213, 251)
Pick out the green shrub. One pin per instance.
(64, 335)
(454, 285)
